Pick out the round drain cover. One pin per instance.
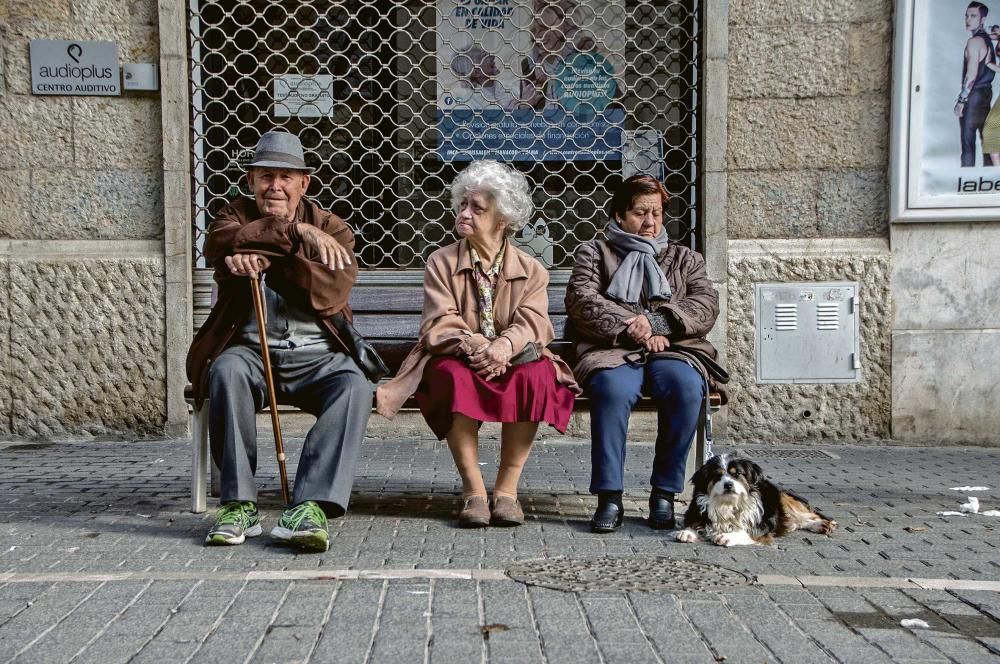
(643, 574)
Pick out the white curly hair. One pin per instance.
(507, 187)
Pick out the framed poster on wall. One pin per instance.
(945, 155)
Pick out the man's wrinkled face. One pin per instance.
(277, 191)
(973, 19)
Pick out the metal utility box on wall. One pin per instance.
(808, 332)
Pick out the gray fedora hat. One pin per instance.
(279, 149)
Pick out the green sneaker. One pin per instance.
(303, 526)
(234, 523)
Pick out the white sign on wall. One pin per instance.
(946, 111)
(303, 96)
(64, 67)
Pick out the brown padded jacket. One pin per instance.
(597, 321)
(295, 273)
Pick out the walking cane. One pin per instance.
(265, 355)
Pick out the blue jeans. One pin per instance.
(679, 391)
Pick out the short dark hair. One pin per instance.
(639, 184)
(983, 9)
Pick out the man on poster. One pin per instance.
(976, 96)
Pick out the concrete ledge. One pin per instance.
(876, 582)
(822, 247)
(79, 249)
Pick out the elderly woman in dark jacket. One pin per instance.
(634, 300)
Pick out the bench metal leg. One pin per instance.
(199, 458)
(701, 450)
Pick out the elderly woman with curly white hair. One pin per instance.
(481, 354)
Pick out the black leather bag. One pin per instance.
(531, 352)
(364, 353)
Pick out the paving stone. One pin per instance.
(136, 520)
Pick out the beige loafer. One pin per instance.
(506, 512)
(475, 513)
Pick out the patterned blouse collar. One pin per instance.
(494, 269)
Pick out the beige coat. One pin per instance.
(450, 321)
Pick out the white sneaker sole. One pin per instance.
(305, 540)
(253, 531)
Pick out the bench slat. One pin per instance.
(401, 326)
(410, 299)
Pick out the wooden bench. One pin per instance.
(387, 310)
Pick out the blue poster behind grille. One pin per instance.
(530, 80)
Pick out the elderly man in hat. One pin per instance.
(305, 255)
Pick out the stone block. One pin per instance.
(809, 412)
(110, 132)
(789, 61)
(12, 10)
(772, 204)
(715, 32)
(110, 204)
(945, 276)
(15, 189)
(38, 132)
(853, 203)
(869, 64)
(3, 68)
(715, 79)
(714, 206)
(5, 380)
(86, 347)
(832, 132)
(141, 12)
(780, 12)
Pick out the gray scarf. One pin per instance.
(639, 272)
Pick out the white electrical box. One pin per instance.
(808, 332)
(140, 77)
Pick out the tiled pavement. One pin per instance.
(100, 561)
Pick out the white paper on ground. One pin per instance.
(971, 506)
(914, 622)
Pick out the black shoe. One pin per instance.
(607, 518)
(661, 511)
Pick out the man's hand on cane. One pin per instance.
(247, 265)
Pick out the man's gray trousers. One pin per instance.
(326, 384)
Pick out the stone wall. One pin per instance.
(82, 317)
(807, 162)
(809, 86)
(786, 412)
(946, 337)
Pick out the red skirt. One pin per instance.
(525, 393)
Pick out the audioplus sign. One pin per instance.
(75, 68)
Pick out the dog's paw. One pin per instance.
(822, 526)
(738, 538)
(687, 536)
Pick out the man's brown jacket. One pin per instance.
(295, 273)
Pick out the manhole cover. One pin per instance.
(643, 574)
(778, 453)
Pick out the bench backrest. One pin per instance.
(388, 315)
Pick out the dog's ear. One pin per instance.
(749, 470)
(700, 478)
